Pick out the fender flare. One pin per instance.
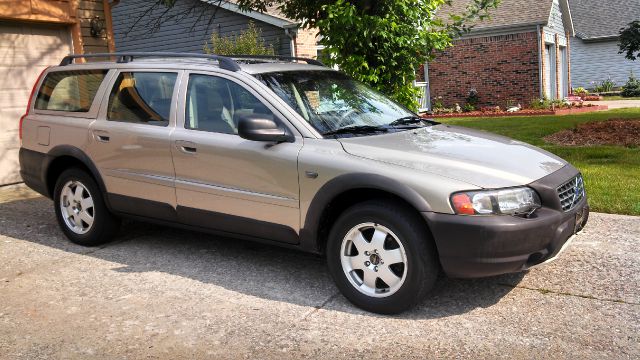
(80, 155)
(340, 184)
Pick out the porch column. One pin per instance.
(558, 68)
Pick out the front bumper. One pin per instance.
(480, 246)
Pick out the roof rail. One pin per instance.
(125, 57)
(276, 57)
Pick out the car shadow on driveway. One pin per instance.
(249, 268)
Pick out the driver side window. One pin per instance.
(216, 104)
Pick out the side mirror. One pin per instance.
(258, 128)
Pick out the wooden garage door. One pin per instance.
(25, 50)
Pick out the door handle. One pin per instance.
(101, 136)
(186, 147)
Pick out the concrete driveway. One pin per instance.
(616, 104)
(165, 293)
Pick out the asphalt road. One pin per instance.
(163, 293)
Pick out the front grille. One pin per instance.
(571, 192)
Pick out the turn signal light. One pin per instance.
(462, 204)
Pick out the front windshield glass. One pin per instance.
(330, 100)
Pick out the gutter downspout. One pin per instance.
(292, 33)
(540, 69)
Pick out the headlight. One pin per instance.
(512, 201)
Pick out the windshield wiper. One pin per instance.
(358, 129)
(407, 120)
(412, 120)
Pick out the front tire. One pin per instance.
(382, 257)
(80, 209)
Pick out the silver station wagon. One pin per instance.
(289, 152)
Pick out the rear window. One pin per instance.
(71, 91)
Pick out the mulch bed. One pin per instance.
(622, 132)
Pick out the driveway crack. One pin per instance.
(317, 308)
(547, 291)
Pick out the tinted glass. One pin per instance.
(330, 100)
(216, 104)
(69, 90)
(142, 97)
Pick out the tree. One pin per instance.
(379, 42)
(630, 40)
(247, 42)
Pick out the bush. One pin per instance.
(247, 42)
(605, 85)
(631, 88)
(468, 108)
(580, 91)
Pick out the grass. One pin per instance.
(612, 173)
(621, 98)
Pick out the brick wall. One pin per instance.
(306, 43)
(501, 68)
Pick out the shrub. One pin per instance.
(580, 91)
(472, 97)
(468, 108)
(247, 42)
(631, 88)
(605, 85)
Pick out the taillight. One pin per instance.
(33, 92)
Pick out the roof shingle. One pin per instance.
(597, 18)
(508, 13)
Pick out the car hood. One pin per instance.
(475, 157)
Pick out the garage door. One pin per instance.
(25, 49)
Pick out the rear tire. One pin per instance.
(382, 257)
(80, 209)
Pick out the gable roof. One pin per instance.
(596, 19)
(272, 16)
(508, 14)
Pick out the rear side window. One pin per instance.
(71, 91)
(142, 98)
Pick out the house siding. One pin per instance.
(596, 61)
(503, 69)
(183, 36)
(556, 24)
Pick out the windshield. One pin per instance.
(331, 101)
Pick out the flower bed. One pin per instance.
(524, 112)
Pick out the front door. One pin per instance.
(223, 181)
(130, 143)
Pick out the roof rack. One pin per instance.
(276, 57)
(125, 57)
(225, 62)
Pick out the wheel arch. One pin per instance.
(63, 157)
(342, 192)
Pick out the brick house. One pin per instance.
(132, 20)
(520, 53)
(33, 35)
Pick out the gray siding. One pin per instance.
(555, 25)
(596, 61)
(182, 35)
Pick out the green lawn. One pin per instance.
(612, 173)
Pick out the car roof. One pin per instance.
(178, 61)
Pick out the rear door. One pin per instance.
(223, 181)
(130, 142)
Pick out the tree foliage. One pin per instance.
(379, 42)
(630, 40)
(247, 42)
